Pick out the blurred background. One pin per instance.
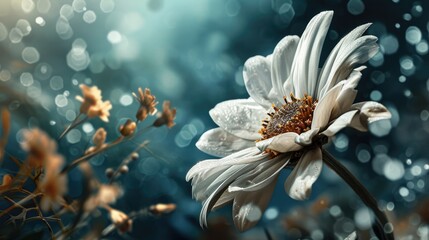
(192, 52)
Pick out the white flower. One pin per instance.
(310, 105)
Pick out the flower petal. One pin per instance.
(283, 56)
(298, 184)
(257, 79)
(241, 117)
(215, 194)
(248, 207)
(284, 142)
(369, 112)
(323, 110)
(260, 176)
(360, 51)
(305, 138)
(306, 61)
(220, 143)
(347, 94)
(340, 123)
(332, 61)
(245, 156)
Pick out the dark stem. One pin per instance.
(384, 227)
(72, 125)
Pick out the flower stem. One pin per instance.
(384, 227)
(72, 125)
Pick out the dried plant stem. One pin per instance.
(362, 192)
(21, 202)
(117, 141)
(127, 160)
(89, 155)
(72, 125)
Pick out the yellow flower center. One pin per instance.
(293, 116)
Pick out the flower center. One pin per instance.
(293, 116)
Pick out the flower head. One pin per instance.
(39, 147)
(167, 116)
(92, 104)
(53, 184)
(305, 106)
(147, 104)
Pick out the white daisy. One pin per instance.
(309, 106)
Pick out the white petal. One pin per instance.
(257, 79)
(241, 117)
(369, 112)
(306, 61)
(323, 110)
(340, 123)
(245, 156)
(328, 67)
(260, 176)
(220, 143)
(305, 138)
(298, 184)
(360, 51)
(248, 207)
(347, 94)
(224, 199)
(218, 187)
(282, 62)
(284, 142)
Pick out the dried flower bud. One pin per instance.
(7, 181)
(109, 172)
(147, 104)
(128, 128)
(124, 169)
(121, 220)
(161, 208)
(166, 117)
(99, 137)
(134, 156)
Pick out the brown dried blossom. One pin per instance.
(147, 104)
(39, 146)
(92, 104)
(121, 220)
(107, 194)
(128, 128)
(167, 116)
(53, 184)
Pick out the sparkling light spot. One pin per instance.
(271, 213)
(107, 5)
(126, 100)
(26, 79)
(363, 218)
(393, 170)
(355, 7)
(74, 136)
(24, 26)
(89, 16)
(413, 35)
(30, 55)
(114, 37)
(40, 21)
